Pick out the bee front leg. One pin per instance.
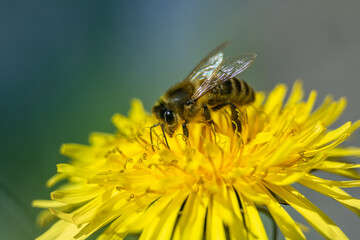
(162, 129)
(151, 136)
(185, 130)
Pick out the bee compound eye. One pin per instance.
(169, 117)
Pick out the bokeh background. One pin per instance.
(68, 66)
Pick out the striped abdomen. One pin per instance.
(234, 91)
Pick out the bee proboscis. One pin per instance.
(210, 86)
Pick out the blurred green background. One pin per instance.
(68, 66)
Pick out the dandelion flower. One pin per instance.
(210, 185)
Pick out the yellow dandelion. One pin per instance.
(210, 185)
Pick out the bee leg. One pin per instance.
(208, 119)
(185, 130)
(236, 124)
(207, 115)
(151, 138)
(162, 129)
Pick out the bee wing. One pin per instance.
(229, 68)
(206, 67)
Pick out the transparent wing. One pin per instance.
(229, 68)
(206, 67)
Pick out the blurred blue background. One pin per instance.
(68, 66)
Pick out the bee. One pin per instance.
(210, 86)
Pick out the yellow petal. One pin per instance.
(296, 94)
(335, 134)
(307, 108)
(274, 101)
(214, 224)
(262, 137)
(344, 184)
(334, 192)
(120, 227)
(253, 221)
(44, 218)
(283, 220)
(77, 195)
(313, 152)
(123, 124)
(163, 223)
(249, 192)
(137, 110)
(47, 204)
(99, 139)
(280, 155)
(192, 218)
(339, 168)
(344, 152)
(322, 223)
(72, 170)
(145, 208)
(236, 227)
(61, 230)
(76, 151)
(285, 178)
(338, 165)
(311, 136)
(55, 179)
(112, 209)
(323, 112)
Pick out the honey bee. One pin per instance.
(210, 86)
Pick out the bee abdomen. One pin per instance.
(242, 93)
(232, 91)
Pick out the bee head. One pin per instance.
(166, 116)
